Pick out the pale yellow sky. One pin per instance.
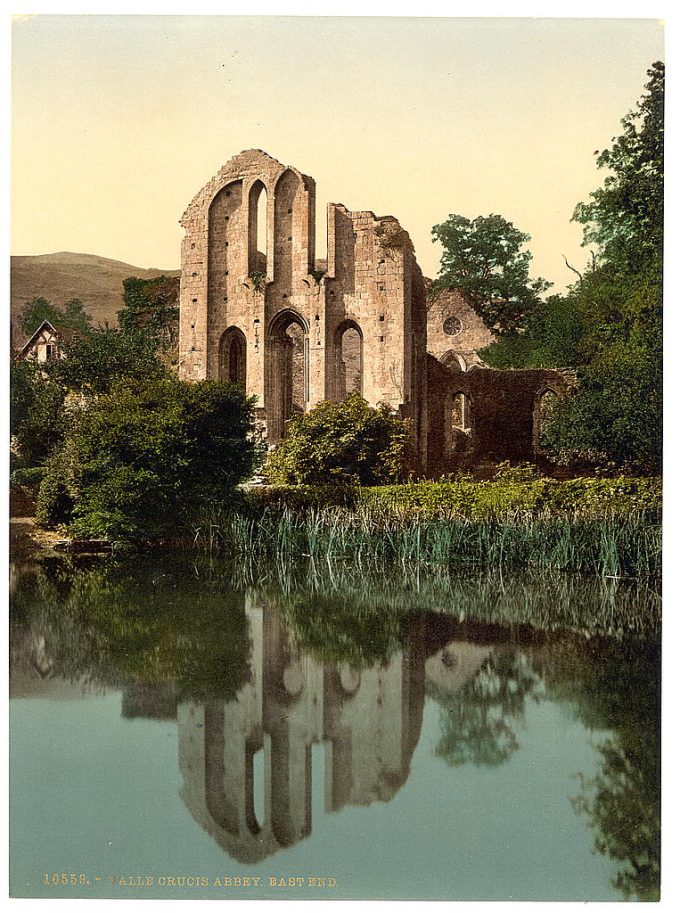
(119, 120)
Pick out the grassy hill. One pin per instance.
(97, 281)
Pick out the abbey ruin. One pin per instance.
(258, 309)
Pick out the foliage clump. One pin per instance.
(347, 442)
(146, 451)
(515, 494)
(152, 307)
(72, 315)
(608, 327)
(486, 260)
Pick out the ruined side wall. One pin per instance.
(501, 409)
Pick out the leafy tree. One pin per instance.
(39, 309)
(485, 260)
(94, 363)
(624, 217)
(345, 442)
(609, 325)
(151, 306)
(76, 316)
(150, 449)
(37, 415)
(552, 338)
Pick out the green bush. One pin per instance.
(148, 452)
(37, 412)
(341, 443)
(54, 506)
(500, 498)
(29, 477)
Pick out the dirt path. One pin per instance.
(25, 537)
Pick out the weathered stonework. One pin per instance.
(501, 415)
(455, 332)
(293, 334)
(239, 306)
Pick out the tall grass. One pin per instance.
(611, 545)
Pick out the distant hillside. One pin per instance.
(97, 281)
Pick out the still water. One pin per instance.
(178, 730)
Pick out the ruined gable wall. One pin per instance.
(473, 336)
(217, 260)
(372, 283)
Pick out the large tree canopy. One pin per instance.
(624, 217)
(609, 325)
(93, 363)
(137, 456)
(485, 259)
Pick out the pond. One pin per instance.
(179, 729)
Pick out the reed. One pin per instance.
(612, 545)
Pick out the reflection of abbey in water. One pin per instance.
(369, 722)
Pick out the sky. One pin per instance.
(117, 121)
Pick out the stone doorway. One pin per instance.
(287, 388)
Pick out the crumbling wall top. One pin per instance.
(248, 164)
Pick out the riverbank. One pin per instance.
(609, 527)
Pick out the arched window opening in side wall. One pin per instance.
(453, 361)
(544, 409)
(349, 347)
(460, 418)
(298, 391)
(233, 357)
(257, 229)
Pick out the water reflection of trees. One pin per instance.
(335, 628)
(478, 723)
(109, 627)
(615, 686)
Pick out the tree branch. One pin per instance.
(571, 267)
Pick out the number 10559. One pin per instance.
(64, 878)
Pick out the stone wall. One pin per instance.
(455, 332)
(238, 304)
(502, 410)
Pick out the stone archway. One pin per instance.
(453, 361)
(287, 383)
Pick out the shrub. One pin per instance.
(29, 477)
(37, 412)
(341, 443)
(501, 498)
(149, 450)
(55, 501)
